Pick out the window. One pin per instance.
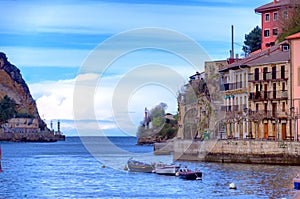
(275, 16)
(256, 74)
(273, 72)
(267, 17)
(265, 71)
(283, 106)
(275, 31)
(282, 72)
(267, 33)
(257, 107)
(285, 47)
(283, 86)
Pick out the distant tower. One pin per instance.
(146, 119)
(51, 125)
(58, 126)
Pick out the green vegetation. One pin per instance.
(252, 41)
(290, 26)
(7, 109)
(161, 127)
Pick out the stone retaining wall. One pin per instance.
(237, 151)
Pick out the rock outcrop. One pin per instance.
(13, 85)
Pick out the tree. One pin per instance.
(291, 25)
(157, 114)
(7, 109)
(252, 41)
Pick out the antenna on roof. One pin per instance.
(232, 42)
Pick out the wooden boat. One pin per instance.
(137, 166)
(297, 182)
(166, 169)
(188, 174)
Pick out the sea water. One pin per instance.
(69, 170)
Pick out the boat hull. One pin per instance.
(188, 174)
(297, 183)
(137, 166)
(166, 170)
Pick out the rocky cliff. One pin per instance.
(13, 85)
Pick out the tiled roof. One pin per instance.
(294, 36)
(277, 5)
(270, 55)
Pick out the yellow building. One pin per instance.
(256, 95)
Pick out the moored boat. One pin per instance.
(297, 182)
(166, 169)
(137, 166)
(188, 174)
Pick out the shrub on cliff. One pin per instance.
(7, 109)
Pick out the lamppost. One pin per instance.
(249, 127)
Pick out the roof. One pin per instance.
(294, 36)
(275, 6)
(270, 55)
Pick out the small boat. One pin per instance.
(188, 174)
(137, 166)
(297, 182)
(166, 169)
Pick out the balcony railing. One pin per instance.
(233, 108)
(231, 86)
(268, 95)
(268, 76)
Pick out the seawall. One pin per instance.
(236, 151)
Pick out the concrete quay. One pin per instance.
(233, 151)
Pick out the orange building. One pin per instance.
(273, 16)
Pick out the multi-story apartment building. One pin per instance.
(256, 95)
(269, 93)
(294, 41)
(234, 84)
(273, 16)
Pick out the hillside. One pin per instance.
(26, 124)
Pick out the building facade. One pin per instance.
(256, 92)
(273, 17)
(234, 85)
(21, 126)
(294, 41)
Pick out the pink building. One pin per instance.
(295, 80)
(273, 15)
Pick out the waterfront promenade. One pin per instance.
(233, 151)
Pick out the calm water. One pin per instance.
(68, 170)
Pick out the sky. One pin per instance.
(100, 63)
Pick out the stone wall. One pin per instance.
(239, 151)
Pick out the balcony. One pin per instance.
(268, 95)
(231, 86)
(268, 76)
(233, 108)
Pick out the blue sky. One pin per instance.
(50, 40)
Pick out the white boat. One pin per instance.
(166, 169)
